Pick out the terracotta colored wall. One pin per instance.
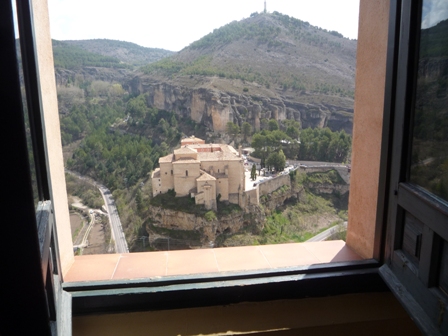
(52, 132)
(369, 103)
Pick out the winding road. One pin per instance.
(121, 246)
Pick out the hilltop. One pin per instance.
(270, 50)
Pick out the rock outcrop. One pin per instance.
(232, 223)
(215, 108)
(89, 74)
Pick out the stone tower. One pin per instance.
(265, 6)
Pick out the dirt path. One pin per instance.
(75, 224)
(99, 238)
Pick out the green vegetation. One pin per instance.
(89, 194)
(184, 204)
(86, 118)
(322, 144)
(253, 172)
(246, 130)
(188, 235)
(299, 221)
(235, 31)
(276, 161)
(210, 216)
(315, 144)
(72, 57)
(126, 52)
(225, 209)
(232, 129)
(331, 177)
(434, 41)
(117, 160)
(266, 143)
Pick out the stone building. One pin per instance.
(202, 171)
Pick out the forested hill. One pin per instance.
(126, 52)
(102, 62)
(72, 57)
(275, 51)
(104, 53)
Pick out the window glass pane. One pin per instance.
(429, 167)
(25, 110)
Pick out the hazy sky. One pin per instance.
(434, 11)
(174, 24)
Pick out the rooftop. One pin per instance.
(186, 160)
(214, 156)
(205, 177)
(184, 150)
(168, 158)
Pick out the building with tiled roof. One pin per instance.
(202, 171)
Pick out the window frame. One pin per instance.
(412, 280)
(193, 290)
(27, 289)
(232, 287)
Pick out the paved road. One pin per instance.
(327, 233)
(121, 246)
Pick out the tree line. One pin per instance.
(73, 57)
(318, 144)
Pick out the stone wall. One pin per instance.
(329, 188)
(234, 198)
(166, 177)
(185, 175)
(252, 197)
(270, 185)
(254, 159)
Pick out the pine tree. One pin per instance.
(253, 173)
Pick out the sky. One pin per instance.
(434, 11)
(174, 24)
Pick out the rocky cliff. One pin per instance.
(214, 108)
(209, 230)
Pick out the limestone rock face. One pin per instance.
(90, 74)
(215, 108)
(178, 220)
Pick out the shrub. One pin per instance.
(210, 215)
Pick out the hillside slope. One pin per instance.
(126, 52)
